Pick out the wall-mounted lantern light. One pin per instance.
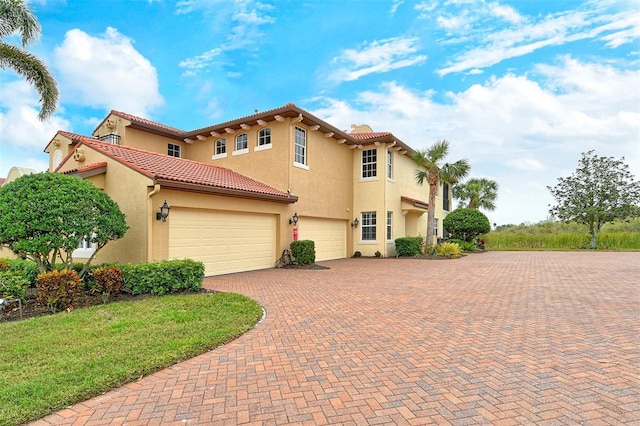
(294, 220)
(354, 224)
(164, 212)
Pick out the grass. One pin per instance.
(619, 236)
(51, 362)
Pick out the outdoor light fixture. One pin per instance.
(354, 224)
(164, 212)
(294, 220)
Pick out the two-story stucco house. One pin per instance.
(234, 187)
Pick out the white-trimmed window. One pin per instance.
(369, 163)
(368, 226)
(173, 150)
(242, 142)
(85, 249)
(264, 137)
(389, 164)
(300, 146)
(389, 226)
(221, 147)
(435, 226)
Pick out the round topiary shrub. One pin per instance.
(466, 224)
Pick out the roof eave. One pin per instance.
(227, 192)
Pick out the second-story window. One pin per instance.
(241, 142)
(445, 197)
(389, 164)
(173, 150)
(369, 163)
(221, 146)
(264, 137)
(300, 146)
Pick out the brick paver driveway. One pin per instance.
(493, 338)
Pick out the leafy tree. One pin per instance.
(601, 190)
(478, 193)
(15, 16)
(45, 216)
(433, 172)
(466, 224)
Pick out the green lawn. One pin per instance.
(50, 362)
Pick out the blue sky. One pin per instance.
(519, 88)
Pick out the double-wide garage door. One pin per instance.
(329, 236)
(225, 242)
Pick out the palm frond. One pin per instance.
(35, 72)
(15, 16)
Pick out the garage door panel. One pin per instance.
(224, 241)
(329, 236)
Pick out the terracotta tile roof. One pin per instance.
(417, 203)
(147, 123)
(366, 136)
(2, 180)
(171, 169)
(87, 168)
(71, 135)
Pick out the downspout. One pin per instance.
(156, 189)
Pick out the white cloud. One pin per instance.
(520, 132)
(507, 13)
(494, 43)
(377, 57)
(22, 135)
(241, 20)
(107, 72)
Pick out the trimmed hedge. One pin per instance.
(409, 246)
(304, 252)
(25, 268)
(13, 285)
(167, 276)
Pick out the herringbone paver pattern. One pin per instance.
(493, 338)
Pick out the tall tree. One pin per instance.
(433, 170)
(601, 190)
(16, 17)
(477, 193)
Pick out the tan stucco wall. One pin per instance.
(129, 190)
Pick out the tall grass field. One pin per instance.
(620, 235)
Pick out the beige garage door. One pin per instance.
(329, 236)
(224, 241)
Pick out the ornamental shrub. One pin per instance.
(13, 285)
(466, 224)
(26, 268)
(464, 245)
(167, 276)
(59, 290)
(409, 246)
(304, 252)
(450, 250)
(107, 281)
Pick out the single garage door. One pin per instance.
(329, 236)
(225, 242)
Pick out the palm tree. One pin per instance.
(15, 16)
(478, 193)
(433, 171)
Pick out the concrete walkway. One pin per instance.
(492, 338)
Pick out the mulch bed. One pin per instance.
(31, 308)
